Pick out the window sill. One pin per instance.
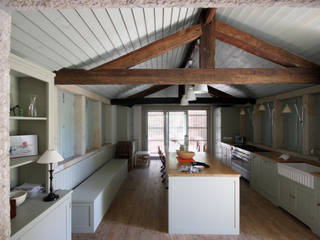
(76, 159)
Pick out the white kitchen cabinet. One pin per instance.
(38, 220)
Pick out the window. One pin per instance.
(177, 130)
(66, 124)
(89, 124)
(103, 124)
(249, 124)
(292, 128)
(197, 130)
(267, 125)
(155, 131)
(170, 129)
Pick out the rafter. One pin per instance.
(259, 47)
(217, 93)
(189, 76)
(219, 101)
(154, 49)
(149, 91)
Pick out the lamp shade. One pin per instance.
(184, 101)
(201, 88)
(190, 94)
(286, 109)
(262, 108)
(50, 156)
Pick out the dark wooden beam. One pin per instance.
(154, 49)
(181, 91)
(193, 48)
(220, 101)
(217, 93)
(149, 91)
(259, 47)
(189, 76)
(208, 43)
(208, 15)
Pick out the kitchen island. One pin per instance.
(203, 203)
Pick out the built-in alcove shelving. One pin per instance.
(27, 79)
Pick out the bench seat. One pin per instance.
(92, 198)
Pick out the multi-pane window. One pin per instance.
(155, 131)
(171, 129)
(197, 130)
(177, 130)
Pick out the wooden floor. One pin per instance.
(139, 212)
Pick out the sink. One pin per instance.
(298, 172)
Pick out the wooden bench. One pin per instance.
(92, 198)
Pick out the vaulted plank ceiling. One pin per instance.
(87, 38)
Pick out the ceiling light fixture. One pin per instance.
(184, 101)
(201, 88)
(190, 94)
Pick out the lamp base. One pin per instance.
(51, 197)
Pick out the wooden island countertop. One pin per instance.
(217, 168)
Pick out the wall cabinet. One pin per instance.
(264, 178)
(297, 199)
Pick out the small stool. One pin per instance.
(142, 155)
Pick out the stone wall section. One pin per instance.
(5, 27)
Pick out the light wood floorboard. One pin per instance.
(139, 212)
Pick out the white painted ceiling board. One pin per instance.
(42, 27)
(86, 38)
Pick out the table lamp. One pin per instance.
(50, 157)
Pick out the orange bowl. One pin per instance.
(186, 154)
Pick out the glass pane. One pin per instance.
(155, 131)
(197, 130)
(177, 130)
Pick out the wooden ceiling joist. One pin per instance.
(219, 101)
(189, 76)
(149, 91)
(259, 47)
(217, 93)
(154, 49)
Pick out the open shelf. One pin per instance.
(28, 118)
(20, 161)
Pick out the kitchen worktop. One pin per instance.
(217, 168)
(274, 156)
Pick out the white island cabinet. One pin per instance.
(205, 202)
(39, 220)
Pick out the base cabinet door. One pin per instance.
(316, 227)
(304, 204)
(269, 179)
(255, 173)
(287, 194)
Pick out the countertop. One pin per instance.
(217, 168)
(33, 208)
(274, 156)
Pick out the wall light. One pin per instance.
(190, 94)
